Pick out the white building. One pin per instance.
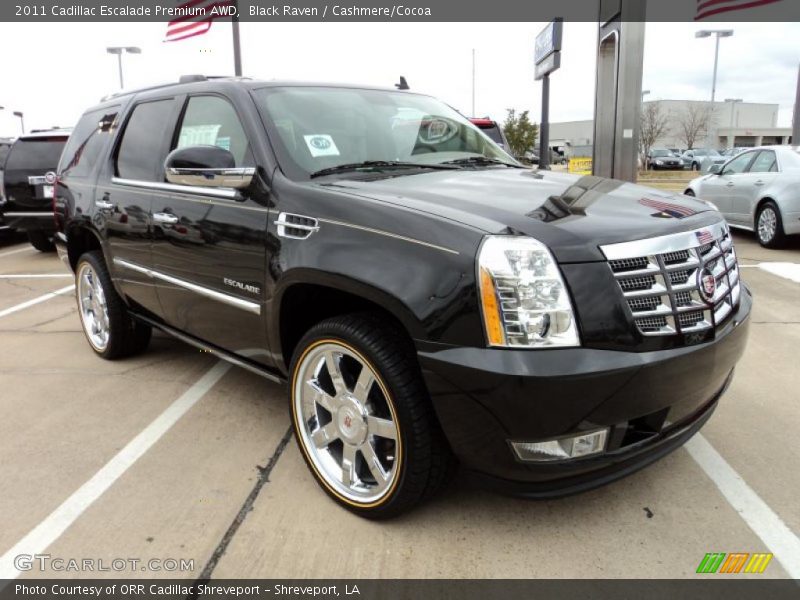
(730, 124)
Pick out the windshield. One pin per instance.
(316, 128)
(661, 153)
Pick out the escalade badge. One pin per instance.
(707, 284)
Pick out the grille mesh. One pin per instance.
(655, 292)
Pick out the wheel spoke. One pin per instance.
(348, 465)
(381, 427)
(373, 464)
(364, 384)
(325, 435)
(332, 363)
(320, 396)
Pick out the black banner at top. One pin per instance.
(401, 10)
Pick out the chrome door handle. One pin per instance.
(759, 182)
(165, 218)
(103, 205)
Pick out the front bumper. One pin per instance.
(651, 401)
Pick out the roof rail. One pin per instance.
(183, 79)
(192, 78)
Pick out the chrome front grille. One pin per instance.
(660, 279)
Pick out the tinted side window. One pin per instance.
(86, 142)
(36, 154)
(212, 121)
(738, 164)
(140, 152)
(765, 163)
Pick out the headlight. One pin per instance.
(659, 162)
(524, 300)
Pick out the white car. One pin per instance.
(757, 190)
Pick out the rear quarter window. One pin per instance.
(141, 152)
(87, 142)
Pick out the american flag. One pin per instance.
(674, 210)
(704, 236)
(709, 8)
(197, 21)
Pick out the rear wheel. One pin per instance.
(363, 419)
(109, 329)
(769, 226)
(41, 241)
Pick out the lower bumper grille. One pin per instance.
(681, 283)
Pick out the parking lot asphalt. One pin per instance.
(171, 455)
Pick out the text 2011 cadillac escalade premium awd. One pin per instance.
(425, 298)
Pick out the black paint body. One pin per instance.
(407, 245)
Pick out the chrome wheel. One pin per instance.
(92, 307)
(346, 422)
(767, 224)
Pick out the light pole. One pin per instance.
(118, 50)
(21, 120)
(719, 33)
(733, 102)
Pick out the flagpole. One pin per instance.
(237, 50)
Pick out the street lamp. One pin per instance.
(21, 120)
(733, 103)
(719, 33)
(119, 50)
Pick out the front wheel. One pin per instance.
(769, 226)
(110, 330)
(363, 419)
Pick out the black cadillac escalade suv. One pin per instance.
(424, 297)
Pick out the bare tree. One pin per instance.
(693, 123)
(652, 127)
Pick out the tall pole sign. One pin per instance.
(547, 58)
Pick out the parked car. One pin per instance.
(701, 159)
(731, 152)
(5, 146)
(422, 296)
(661, 158)
(758, 190)
(493, 130)
(28, 184)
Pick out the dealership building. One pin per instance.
(740, 124)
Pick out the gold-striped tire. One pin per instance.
(362, 417)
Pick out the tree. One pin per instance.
(520, 131)
(653, 125)
(693, 123)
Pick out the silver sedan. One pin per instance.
(758, 190)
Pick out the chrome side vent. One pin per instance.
(661, 280)
(296, 227)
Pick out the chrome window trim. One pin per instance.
(246, 305)
(660, 245)
(229, 194)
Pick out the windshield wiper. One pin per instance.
(369, 164)
(481, 160)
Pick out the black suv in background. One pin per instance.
(423, 296)
(28, 182)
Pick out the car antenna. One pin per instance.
(403, 85)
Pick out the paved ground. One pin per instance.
(169, 456)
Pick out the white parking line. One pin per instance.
(17, 251)
(49, 530)
(24, 305)
(37, 276)
(787, 270)
(767, 525)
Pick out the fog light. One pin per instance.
(562, 449)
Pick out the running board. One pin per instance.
(218, 352)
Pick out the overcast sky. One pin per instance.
(52, 72)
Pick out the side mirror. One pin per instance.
(206, 166)
(715, 169)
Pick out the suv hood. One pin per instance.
(573, 215)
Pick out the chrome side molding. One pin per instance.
(252, 307)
